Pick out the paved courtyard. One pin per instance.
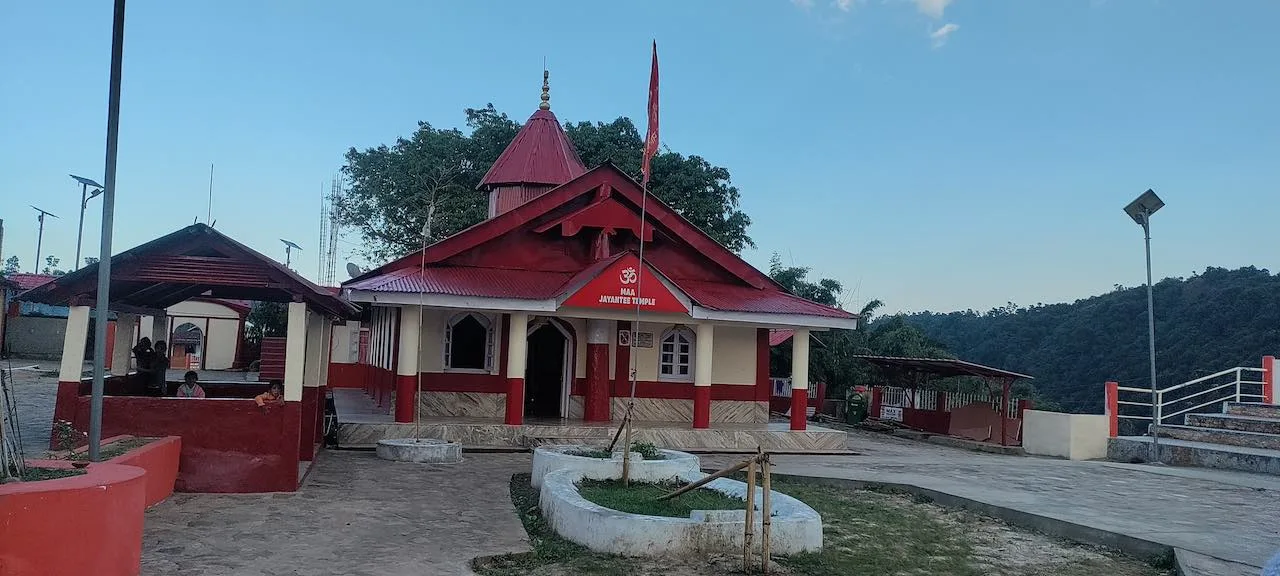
(354, 515)
(35, 388)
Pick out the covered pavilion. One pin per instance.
(916, 373)
(229, 443)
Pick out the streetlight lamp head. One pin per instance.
(88, 182)
(1144, 206)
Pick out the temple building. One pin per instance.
(530, 315)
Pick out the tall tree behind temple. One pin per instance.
(394, 190)
(1205, 323)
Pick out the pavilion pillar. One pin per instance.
(295, 351)
(71, 370)
(800, 379)
(595, 404)
(702, 363)
(517, 348)
(125, 324)
(312, 368)
(160, 327)
(407, 364)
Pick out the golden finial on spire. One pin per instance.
(546, 91)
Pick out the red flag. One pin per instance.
(651, 139)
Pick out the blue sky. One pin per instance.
(934, 154)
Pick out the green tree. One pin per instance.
(51, 266)
(90, 260)
(265, 320)
(12, 266)
(426, 182)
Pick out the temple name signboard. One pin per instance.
(638, 339)
(626, 285)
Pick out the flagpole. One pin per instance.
(650, 148)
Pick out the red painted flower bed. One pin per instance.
(85, 524)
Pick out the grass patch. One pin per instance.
(549, 549)
(32, 474)
(114, 449)
(865, 533)
(646, 450)
(640, 498)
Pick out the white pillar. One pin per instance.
(702, 357)
(410, 332)
(800, 360)
(315, 350)
(120, 354)
(160, 328)
(517, 344)
(704, 343)
(295, 351)
(326, 335)
(73, 343)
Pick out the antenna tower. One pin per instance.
(330, 231)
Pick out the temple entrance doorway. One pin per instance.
(549, 371)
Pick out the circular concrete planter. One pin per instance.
(795, 527)
(421, 450)
(547, 459)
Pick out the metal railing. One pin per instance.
(1205, 394)
(928, 399)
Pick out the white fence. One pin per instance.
(782, 388)
(1206, 394)
(928, 399)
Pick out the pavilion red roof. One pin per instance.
(540, 154)
(28, 281)
(733, 298)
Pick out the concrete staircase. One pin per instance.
(1244, 437)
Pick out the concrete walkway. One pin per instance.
(354, 515)
(1230, 516)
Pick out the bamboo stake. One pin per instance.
(706, 479)
(751, 514)
(767, 513)
(626, 457)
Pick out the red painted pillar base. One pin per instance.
(1268, 379)
(515, 401)
(306, 437)
(799, 409)
(406, 396)
(701, 406)
(596, 402)
(1111, 405)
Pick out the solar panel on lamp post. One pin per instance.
(1141, 210)
(85, 197)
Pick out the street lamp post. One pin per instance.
(1141, 210)
(85, 197)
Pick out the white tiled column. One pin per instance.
(125, 324)
(517, 354)
(73, 343)
(407, 363)
(295, 351)
(799, 379)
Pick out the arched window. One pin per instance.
(468, 342)
(675, 355)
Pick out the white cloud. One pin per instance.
(844, 5)
(803, 4)
(940, 35)
(932, 8)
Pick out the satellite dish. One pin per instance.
(290, 244)
(353, 270)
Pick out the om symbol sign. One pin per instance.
(628, 275)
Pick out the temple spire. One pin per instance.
(546, 91)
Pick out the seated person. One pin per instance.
(189, 387)
(273, 395)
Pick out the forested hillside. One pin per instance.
(1205, 323)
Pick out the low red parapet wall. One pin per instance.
(227, 445)
(160, 459)
(87, 524)
(347, 375)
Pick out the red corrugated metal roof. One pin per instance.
(541, 153)
(733, 298)
(777, 337)
(465, 281)
(29, 281)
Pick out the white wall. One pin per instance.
(733, 355)
(1071, 436)
(221, 327)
